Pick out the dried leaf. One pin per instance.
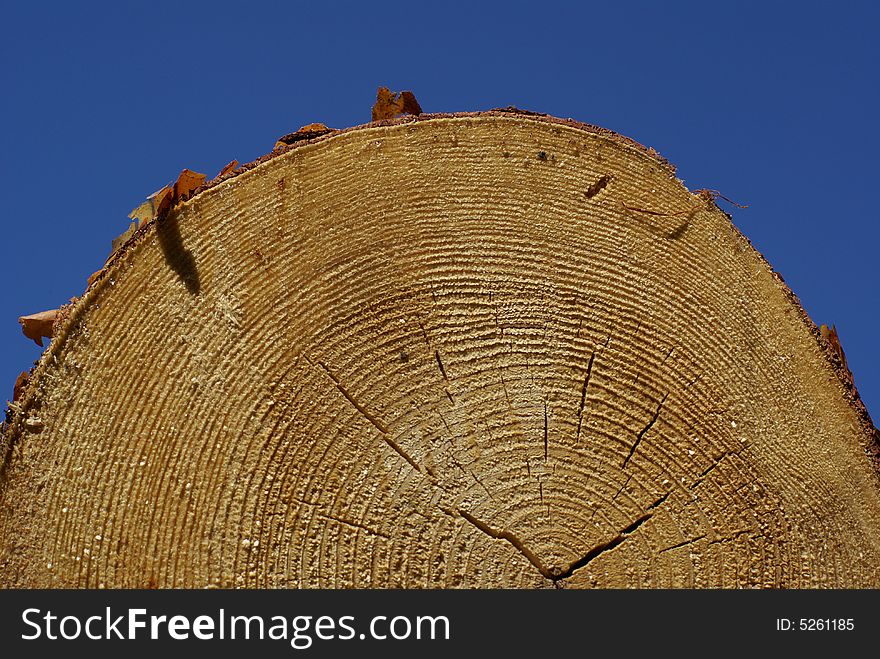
(307, 132)
(186, 184)
(389, 104)
(155, 205)
(20, 383)
(38, 325)
(231, 167)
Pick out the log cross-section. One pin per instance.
(480, 350)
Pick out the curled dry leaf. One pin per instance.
(155, 205)
(38, 325)
(307, 132)
(389, 104)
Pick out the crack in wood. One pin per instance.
(511, 538)
(617, 494)
(546, 440)
(555, 573)
(660, 501)
(353, 524)
(603, 548)
(644, 431)
(440, 365)
(735, 536)
(584, 398)
(470, 473)
(445, 377)
(377, 423)
(684, 543)
(708, 470)
(504, 385)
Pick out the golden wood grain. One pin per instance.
(459, 352)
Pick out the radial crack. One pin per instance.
(708, 470)
(659, 501)
(545, 431)
(598, 550)
(353, 524)
(644, 431)
(381, 427)
(445, 377)
(555, 574)
(440, 365)
(584, 397)
(684, 543)
(512, 539)
(735, 536)
(617, 494)
(470, 473)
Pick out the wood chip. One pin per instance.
(390, 104)
(187, 182)
(39, 325)
(230, 167)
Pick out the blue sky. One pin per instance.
(775, 104)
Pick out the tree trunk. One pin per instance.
(485, 350)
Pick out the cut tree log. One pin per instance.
(479, 350)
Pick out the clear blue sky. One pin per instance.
(775, 104)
